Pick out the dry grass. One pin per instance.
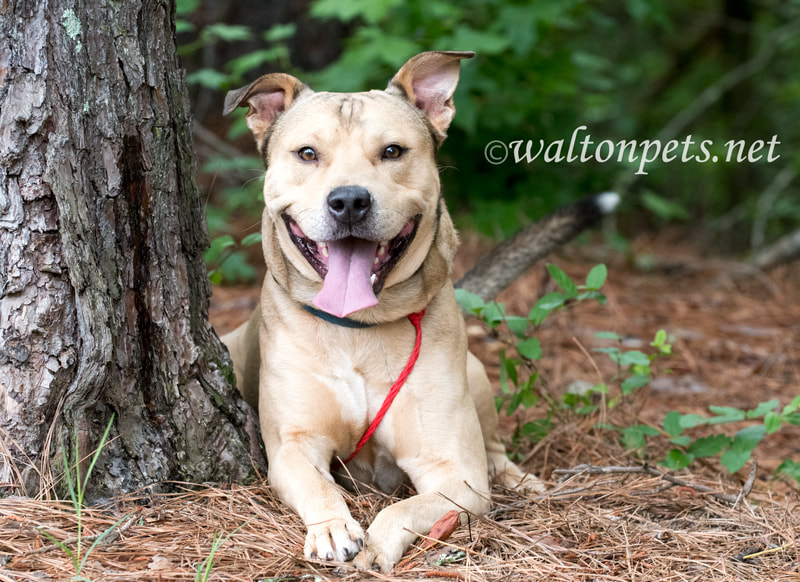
(589, 527)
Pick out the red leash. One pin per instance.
(416, 320)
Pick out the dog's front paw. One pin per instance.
(374, 557)
(335, 540)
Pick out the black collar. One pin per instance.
(341, 321)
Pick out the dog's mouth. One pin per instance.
(354, 270)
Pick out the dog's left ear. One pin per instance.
(429, 80)
(268, 97)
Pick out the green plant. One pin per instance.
(734, 451)
(204, 570)
(518, 381)
(77, 492)
(517, 376)
(226, 261)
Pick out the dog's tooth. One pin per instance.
(373, 278)
(377, 261)
(382, 248)
(323, 248)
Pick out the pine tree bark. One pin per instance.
(103, 289)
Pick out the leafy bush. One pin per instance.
(518, 383)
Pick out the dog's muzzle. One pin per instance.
(353, 269)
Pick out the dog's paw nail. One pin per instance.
(349, 554)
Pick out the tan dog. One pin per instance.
(356, 237)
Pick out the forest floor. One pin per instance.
(735, 334)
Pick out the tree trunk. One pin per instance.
(103, 289)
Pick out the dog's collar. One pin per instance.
(340, 321)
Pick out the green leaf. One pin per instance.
(710, 446)
(469, 301)
(537, 429)
(518, 325)
(608, 335)
(256, 60)
(530, 396)
(184, 7)
(663, 208)
(493, 314)
(634, 382)
(693, 420)
(227, 32)
(537, 316)
(763, 408)
(530, 348)
(793, 406)
(613, 353)
(235, 268)
(660, 342)
(508, 371)
(207, 78)
(672, 423)
(733, 460)
(725, 414)
(251, 239)
(550, 301)
(218, 245)
(791, 418)
(599, 297)
(563, 281)
(677, 460)
(772, 422)
(790, 468)
(633, 437)
(681, 441)
(279, 32)
(372, 11)
(596, 277)
(182, 25)
(634, 358)
(748, 438)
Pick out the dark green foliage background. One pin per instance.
(630, 70)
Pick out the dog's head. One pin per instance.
(353, 206)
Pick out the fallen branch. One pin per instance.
(785, 250)
(511, 258)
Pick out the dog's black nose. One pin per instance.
(349, 204)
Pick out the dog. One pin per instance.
(359, 246)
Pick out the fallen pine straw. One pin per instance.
(601, 526)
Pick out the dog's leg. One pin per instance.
(243, 347)
(296, 474)
(442, 453)
(398, 525)
(501, 469)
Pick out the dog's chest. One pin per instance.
(359, 383)
(349, 386)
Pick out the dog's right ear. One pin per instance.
(267, 97)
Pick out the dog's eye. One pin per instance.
(307, 154)
(392, 152)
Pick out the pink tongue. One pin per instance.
(347, 287)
